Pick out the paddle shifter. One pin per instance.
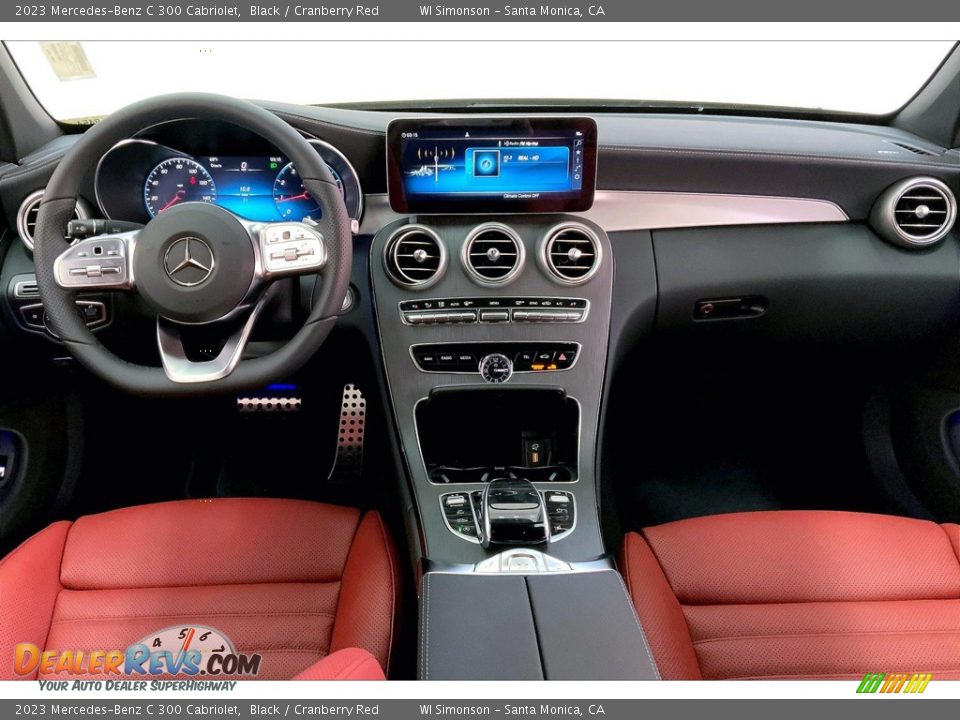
(512, 514)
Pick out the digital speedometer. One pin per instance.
(177, 180)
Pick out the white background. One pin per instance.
(869, 77)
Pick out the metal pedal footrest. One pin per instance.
(348, 461)
(282, 404)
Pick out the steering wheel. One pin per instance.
(194, 264)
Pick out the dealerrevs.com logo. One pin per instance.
(192, 651)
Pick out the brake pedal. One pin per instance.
(348, 460)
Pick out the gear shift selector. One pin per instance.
(513, 514)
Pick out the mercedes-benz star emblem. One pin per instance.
(189, 261)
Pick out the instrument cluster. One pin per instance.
(141, 177)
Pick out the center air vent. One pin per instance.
(415, 257)
(570, 253)
(493, 254)
(27, 216)
(915, 213)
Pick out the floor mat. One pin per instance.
(731, 441)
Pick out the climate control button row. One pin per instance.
(493, 310)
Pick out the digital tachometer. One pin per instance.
(291, 198)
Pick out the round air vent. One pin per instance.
(916, 212)
(493, 254)
(415, 257)
(570, 253)
(30, 208)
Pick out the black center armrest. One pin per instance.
(552, 626)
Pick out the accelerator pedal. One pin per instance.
(348, 460)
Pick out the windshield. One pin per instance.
(82, 80)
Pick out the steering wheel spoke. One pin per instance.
(104, 262)
(178, 366)
(288, 248)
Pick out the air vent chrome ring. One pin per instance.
(915, 213)
(27, 216)
(415, 257)
(487, 266)
(583, 262)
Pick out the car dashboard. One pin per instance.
(506, 266)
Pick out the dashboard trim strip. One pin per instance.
(621, 210)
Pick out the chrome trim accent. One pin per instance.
(389, 251)
(490, 357)
(498, 564)
(20, 290)
(180, 369)
(247, 404)
(173, 269)
(576, 515)
(884, 219)
(309, 247)
(622, 210)
(494, 342)
(82, 212)
(473, 512)
(602, 564)
(127, 141)
(336, 151)
(472, 272)
(586, 311)
(543, 253)
(72, 271)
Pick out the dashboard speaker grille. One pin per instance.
(415, 257)
(924, 212)
(571, 253)
(27, 217)
(493, 254)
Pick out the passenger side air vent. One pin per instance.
(917, 212)
(27, 216)
(493, 254)
(415, 257)
(570, 253)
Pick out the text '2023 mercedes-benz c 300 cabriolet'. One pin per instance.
(562, 389)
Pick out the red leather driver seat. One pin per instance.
(297, 582)
(788, 595)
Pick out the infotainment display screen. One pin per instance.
(494, 165)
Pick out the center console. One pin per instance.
(493, 308)
(492, 379)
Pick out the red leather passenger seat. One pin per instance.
(293, 581)
(791, 594)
